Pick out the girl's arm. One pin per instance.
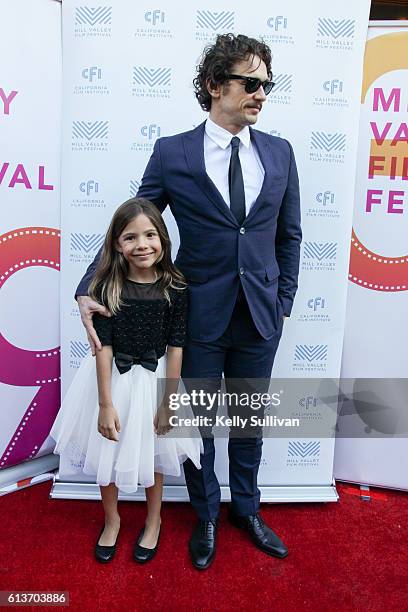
(108, 421)
(173, 371)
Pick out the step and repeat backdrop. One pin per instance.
(30, 123)
(376, 333)
(127, 80)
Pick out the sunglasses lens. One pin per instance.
(252, 85)
(268, 86)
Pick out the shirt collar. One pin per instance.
(222, 137)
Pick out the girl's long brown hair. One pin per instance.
(112, 271)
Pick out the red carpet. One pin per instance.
(352, 555)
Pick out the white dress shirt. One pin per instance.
(217, 153)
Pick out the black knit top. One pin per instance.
(146, 320)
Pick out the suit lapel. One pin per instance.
(194, 150)
(264, 155)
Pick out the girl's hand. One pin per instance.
(108, 423)
(161, 421)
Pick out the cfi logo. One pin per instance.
(92, 73)
(152, 77)
(308, 402)
(328, 142)
(99, 15)
(78, 349)
(316, 303)
(210, 20)
(134, 187)
(277, 23)
(325, 197)
(283, 83)
(150, 131)
(333, 86)
(304, 449)
(154, 17)
(88, 187)
(86, 242)
(335, 28)
(320, 250)
(90, 130)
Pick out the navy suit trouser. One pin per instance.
(240, 353)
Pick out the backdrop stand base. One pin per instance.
(178, 493)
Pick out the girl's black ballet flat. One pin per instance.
(104, 554)
(142, 554)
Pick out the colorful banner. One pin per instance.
(30, 117)
(127, 80)
(376, 334)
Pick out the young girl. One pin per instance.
(109, 425)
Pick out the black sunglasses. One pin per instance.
(252, 85)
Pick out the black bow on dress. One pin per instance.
(148, 360)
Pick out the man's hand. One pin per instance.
(87, 307)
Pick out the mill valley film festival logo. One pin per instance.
(327, 147)
(90, 135)
(282, 91)
(211, 23)
(93, 22)
(303, 454)
(319, 256)
(331, 93)
(88, 195)
(277, 31)
(150, 82)
(146, 137)
(323, 204)
(77, 351)
(84, 247)
(310, 358)
(337, 34)
(153, 23)
(314, 310)
(91, 81)
(134, 187)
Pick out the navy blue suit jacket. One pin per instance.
(216, 254)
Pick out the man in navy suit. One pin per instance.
(234, 194)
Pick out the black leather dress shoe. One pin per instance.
(104, 554)
(262, 536)
(142, 554)
(202, 543)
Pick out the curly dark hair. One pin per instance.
(219, 58)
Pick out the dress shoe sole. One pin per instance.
(257, 544)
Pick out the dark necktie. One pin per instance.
(236, 183)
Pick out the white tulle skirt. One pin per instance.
(140, 452)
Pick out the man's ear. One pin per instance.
(213, 90)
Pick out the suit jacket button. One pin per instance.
(242, 230)
(241, 271)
